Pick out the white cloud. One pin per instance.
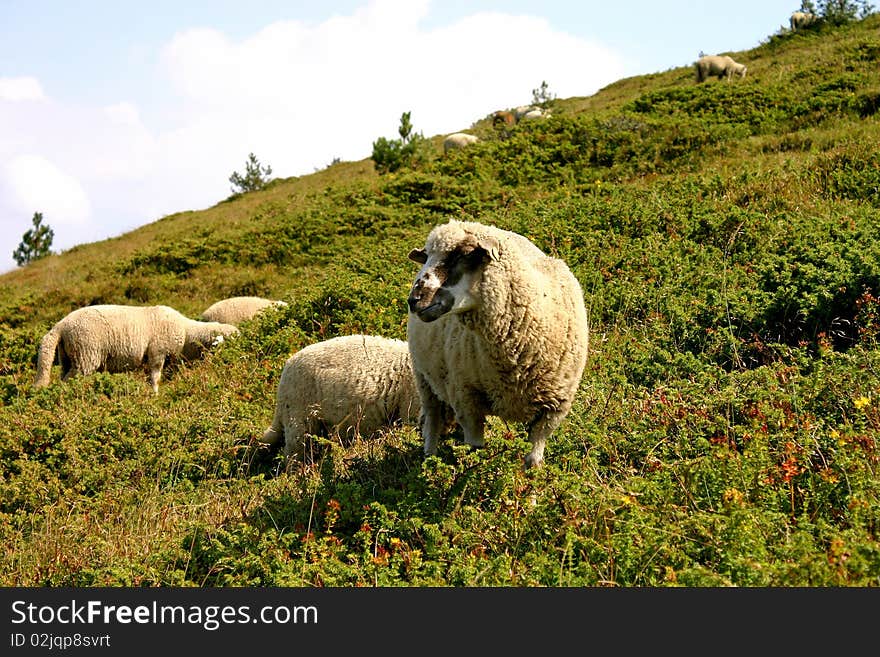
(21, 89)
(299, 95)
(37, 185)
(123, 114)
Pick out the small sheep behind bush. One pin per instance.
(236, 310)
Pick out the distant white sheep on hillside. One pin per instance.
(522, 110)
(801, 19)
(535, 113)
(720, 66)
(458, 140)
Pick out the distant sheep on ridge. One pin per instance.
(458, 140)
(801, 19)
(720, 66)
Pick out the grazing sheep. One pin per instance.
(236, 310)
(350, 384)
(123, 338)
(458, 140)
(495, 327)
(801, 19)
(719, 66)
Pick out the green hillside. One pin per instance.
(727, 238)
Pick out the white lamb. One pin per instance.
(123, 338)
(495, 327)
(720, 66)
(458, 140)
(349, 384)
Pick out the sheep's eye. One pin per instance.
(472, 257)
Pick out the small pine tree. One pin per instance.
(391, 154)
(542, 96)
(254, 179)
(841, 12)
(808, 7)
(36, 243)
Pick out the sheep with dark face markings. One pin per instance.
(495, 327)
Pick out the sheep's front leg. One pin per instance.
(471, 416)
(433, 415)
(540, 429)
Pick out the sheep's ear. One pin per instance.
(491, 246)
(419, 256)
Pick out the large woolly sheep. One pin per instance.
(458, 140)
(349, 384)
(801, 19)
(236, 310)
(123, 338)
(495, 327)
(720, 66)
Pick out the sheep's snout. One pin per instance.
(428, 300)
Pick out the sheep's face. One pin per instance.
(205, 336)
(446, 281)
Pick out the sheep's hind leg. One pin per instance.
(155, 363)
(540, 430)
(295, 440)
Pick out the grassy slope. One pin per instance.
(724, 433)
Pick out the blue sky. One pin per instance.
(115, 114)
